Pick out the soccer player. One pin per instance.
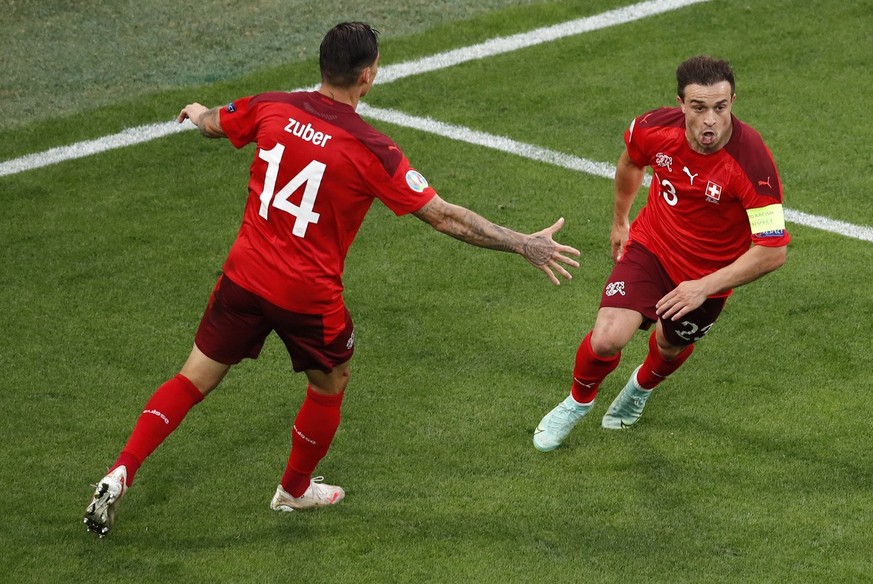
(317, 168)
(713, 221)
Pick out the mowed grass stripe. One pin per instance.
(387, 74)
(390, 73)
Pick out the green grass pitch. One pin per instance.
(752, 464)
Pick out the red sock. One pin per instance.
(655, 368)
(313, 431)
(589, 371)
(162, 414)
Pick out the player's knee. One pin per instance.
(326, 389)
(343, 380)
(670, 352)
(331, 383)
(605, 345)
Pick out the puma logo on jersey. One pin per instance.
(307, 133)
(765, 183)
(690, 176)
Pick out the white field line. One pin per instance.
(501, 45)
(478, 138)
(862, 232)
(127, 137)
(390, 73)
(571, 162)
(387, 74)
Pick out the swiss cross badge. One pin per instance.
(713, 192)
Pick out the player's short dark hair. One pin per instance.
(345, 51)
(703, 70)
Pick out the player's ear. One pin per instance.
(366, 77)
(369, 72)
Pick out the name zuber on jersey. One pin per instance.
(307, 133)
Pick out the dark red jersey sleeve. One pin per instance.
(238, 121)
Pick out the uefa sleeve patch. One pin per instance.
(767, 220)
(231, 107)
(415, 181)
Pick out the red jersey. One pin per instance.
(701, 208)
(316, 171)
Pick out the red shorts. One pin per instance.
(236, 322)
(638, 281)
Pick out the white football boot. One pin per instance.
(558, 423)
(628, 405)
(100, 514)
(317, 494)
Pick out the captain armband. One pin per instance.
(767, 221)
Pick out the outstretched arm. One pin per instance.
(539, 248)
(206, 119)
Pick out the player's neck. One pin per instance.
(347, 96)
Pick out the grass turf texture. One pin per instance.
(751, 464)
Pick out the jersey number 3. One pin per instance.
(310, 176)
(669, 193)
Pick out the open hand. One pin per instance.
(547, 255)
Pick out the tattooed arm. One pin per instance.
(539, 249)
(207, 120)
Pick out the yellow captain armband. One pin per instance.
(767, 219)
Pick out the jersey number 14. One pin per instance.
(310, 176)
